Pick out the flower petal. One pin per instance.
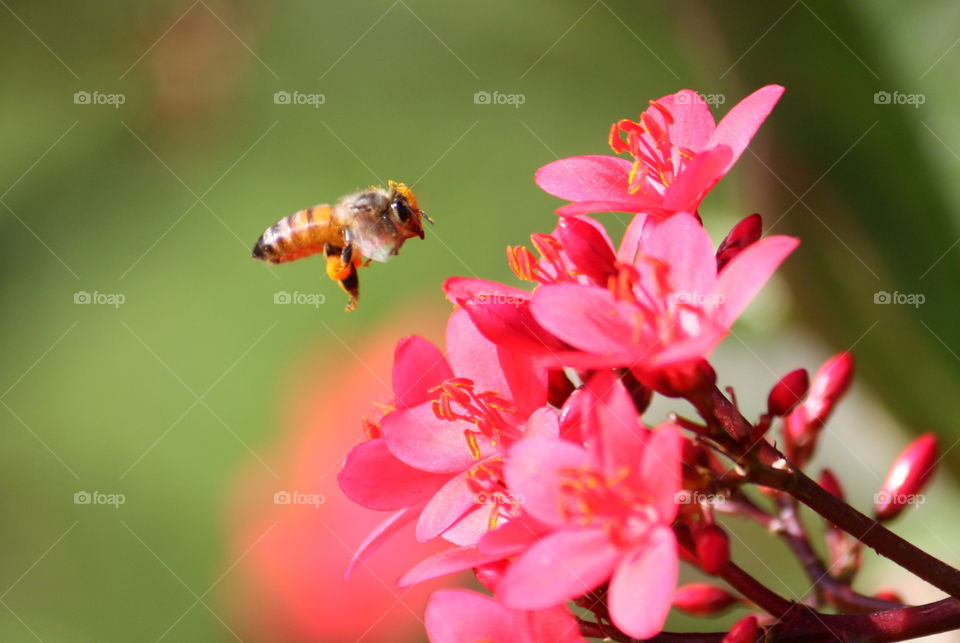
(511, 374)
(696, 179)
(462, 616)
(501, 314)
(586, 178)
(375, 478)
(692, 120)
(682, 244)
(586, 317)
(742, 278)
(661, 469)
(558, 568)
(588, 246)
(418, 366)
(534, 472)
(612, 429)
(744, 119)
(446, 507)
(450, 561)
(643, 584)
(380, 535)
(425, 442)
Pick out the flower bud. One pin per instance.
(559, 387)
(703, 599)
(829, 385)
(713, 548)
(681, 379)
(910, 472)
(890, 596)
(788, 392)
(742, 235)
(743, 631)
(830, 483)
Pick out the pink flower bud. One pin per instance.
(830, 483)
(713, 548)
(788, 392)
(682, 378)
(489, 575)
(910, 472)
(828, 386)
(743, 631)
(703, 599)
(742, 235)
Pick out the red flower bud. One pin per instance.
(743, 631)
(703, 599)
(788, 392)
(910, 472)
(681, 379)
(889, 595)
(742, 235)
(828, 386)
(560, 387)
(830, 483)
(713, 548)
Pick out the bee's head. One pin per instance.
(407, 215)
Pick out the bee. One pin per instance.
(367, 225)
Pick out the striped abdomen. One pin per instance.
(301, 234)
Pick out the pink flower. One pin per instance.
(607, 508)
(461, 616)
(438, 457)
(670, 306)
(678, 152)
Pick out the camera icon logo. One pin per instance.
(281, 98)
(81, 98)
(282, 297)
(882, 297)
(82, 297)
(282, 498)
(881, 98)
(82, 498)
(482, 98)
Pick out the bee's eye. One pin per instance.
(403, 211)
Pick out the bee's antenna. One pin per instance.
(426, 216)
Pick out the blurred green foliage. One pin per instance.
(161, 198)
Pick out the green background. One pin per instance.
(160, 199)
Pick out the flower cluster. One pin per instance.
(523, 444)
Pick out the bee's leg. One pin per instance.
(342, 269)
(351, 285)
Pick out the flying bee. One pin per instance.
(368, 225)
